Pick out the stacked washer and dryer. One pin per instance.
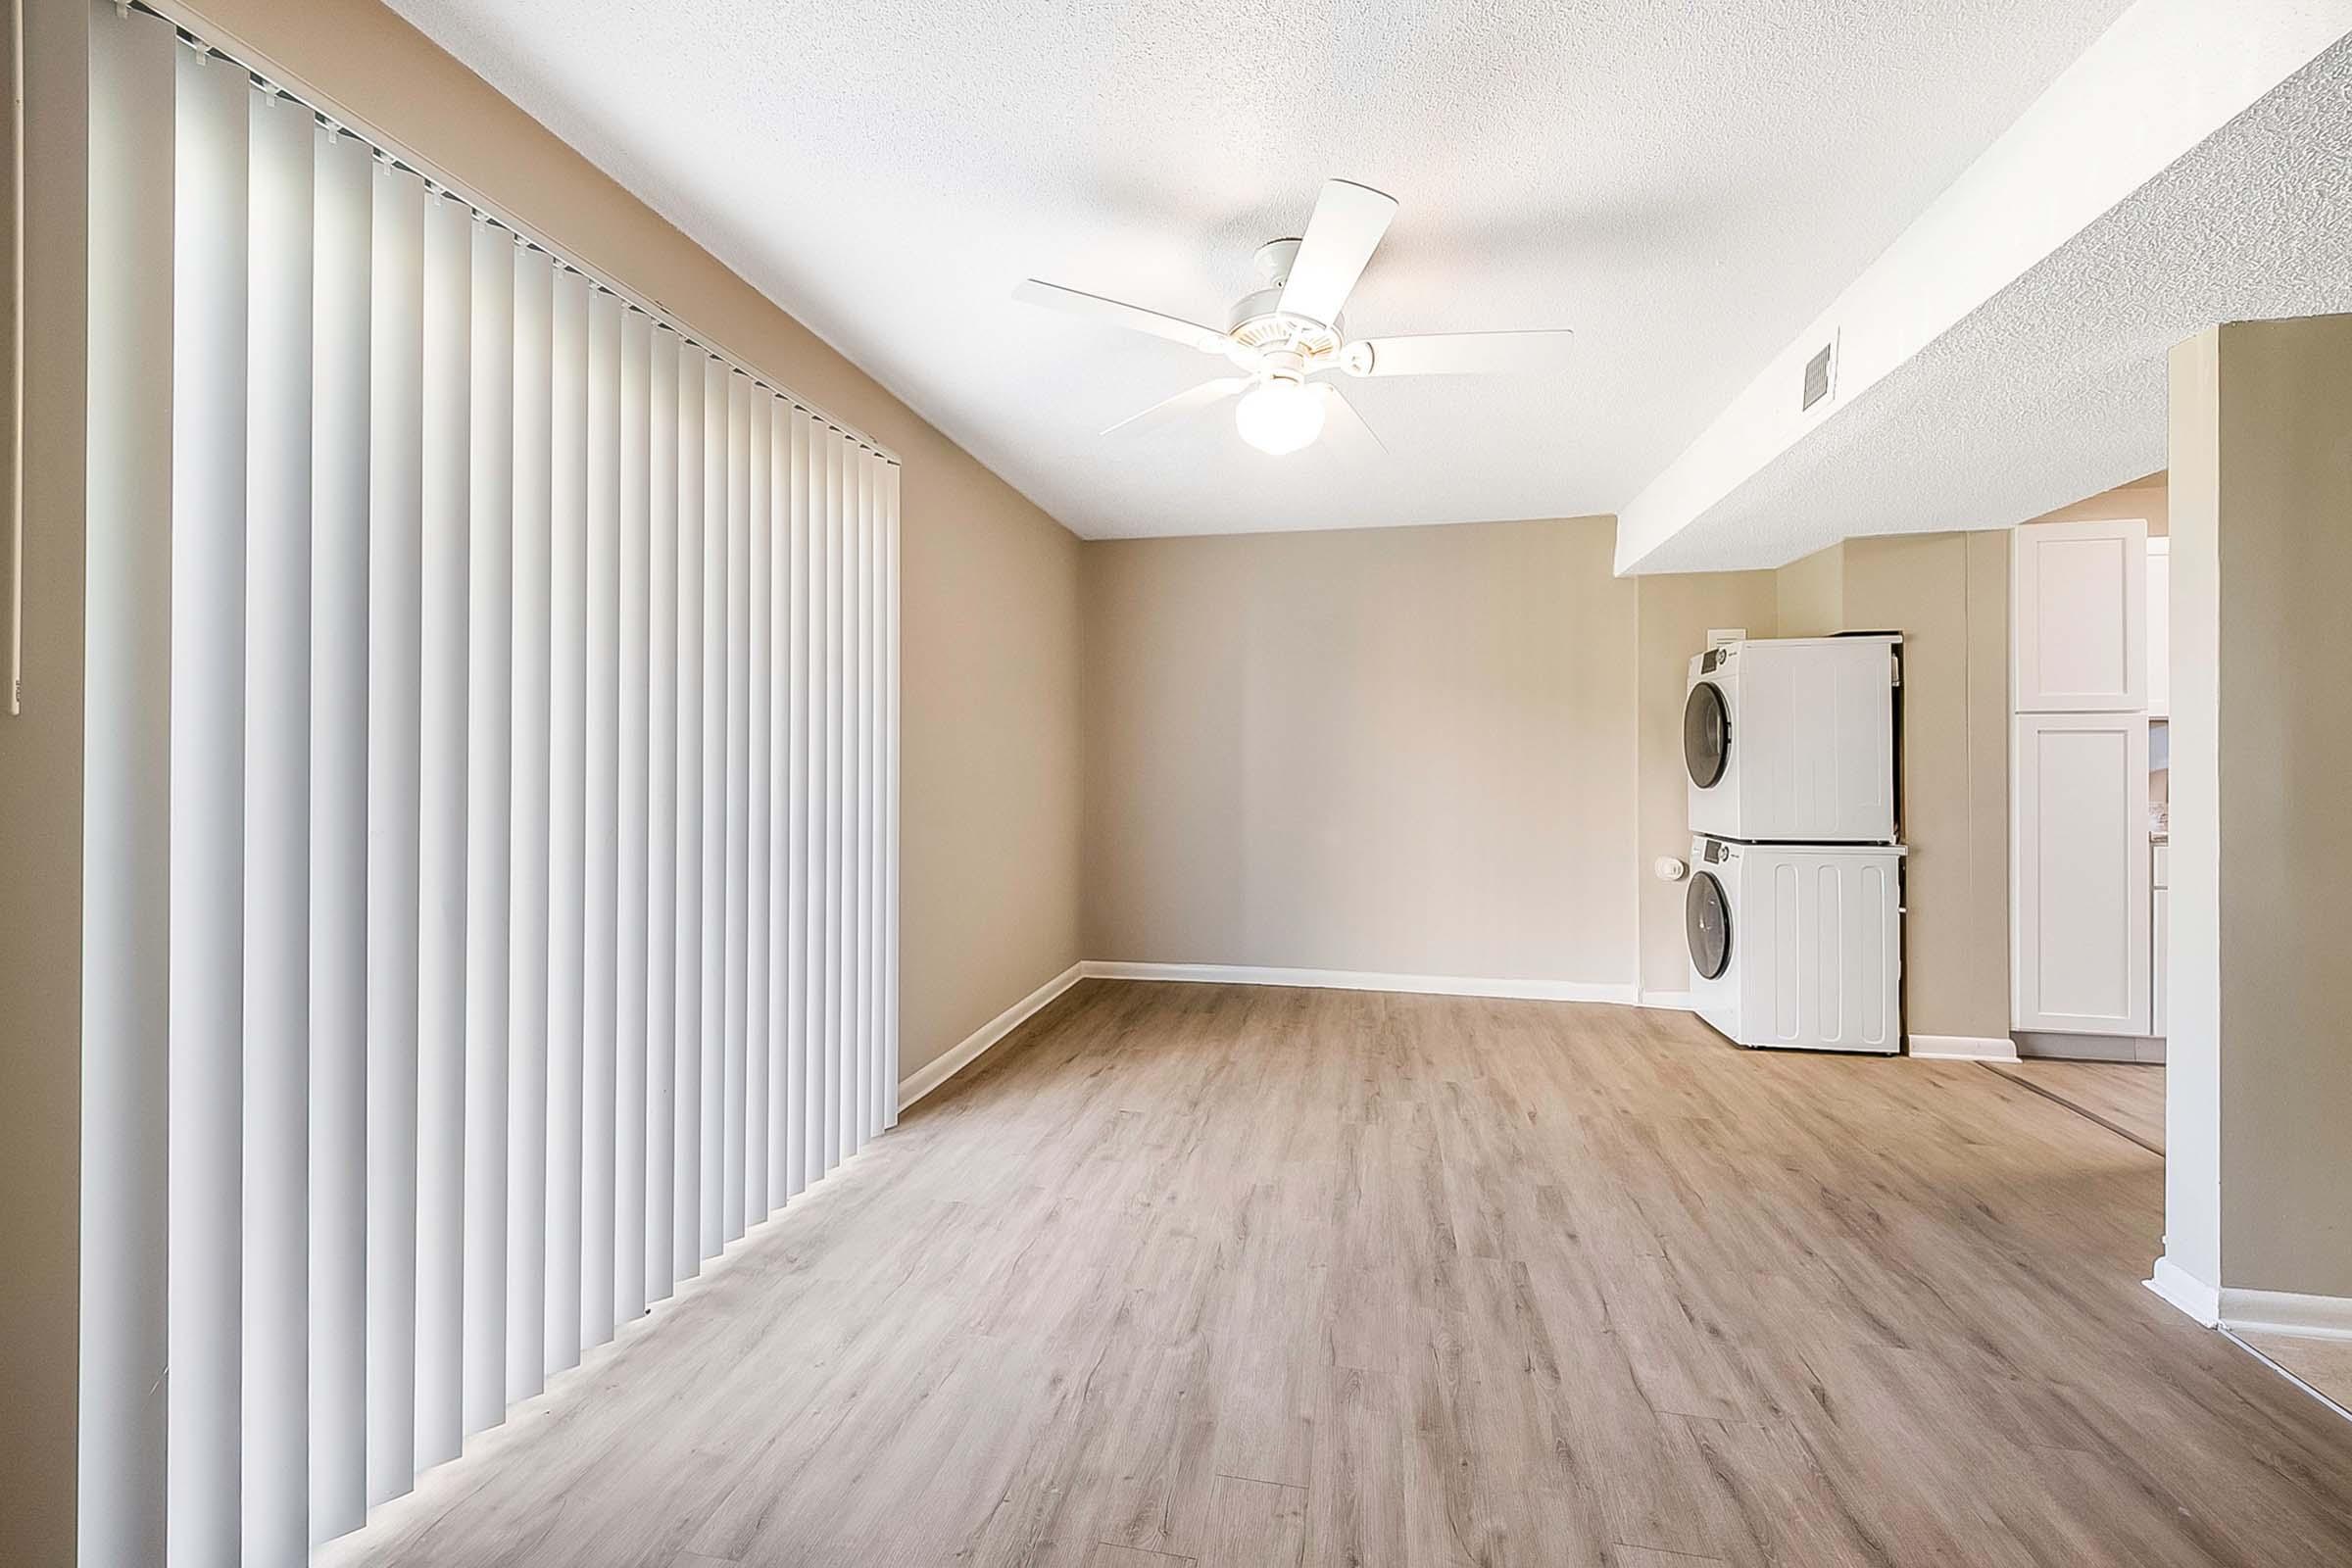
(1794, 905)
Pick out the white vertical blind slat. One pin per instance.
(665, 758)
(889, 790)
(761, 565)
(870, 1105)
(207, 855)
(441, 844)
(341, 315)
(776, 809)
(830, 782)
(735, 955)
(599, 1134)
(126, 793)
(568, 762)
(852, 796)
(489, 813)
(395, 585)
(869, 814)
(800, 913)
(687, 1046)
(275, 1414)
(711, 1179)
(528, 939)
(845, 805)
(634, 873)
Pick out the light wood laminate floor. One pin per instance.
(1240, 1276)
(2127, 1096)
(2324, 1364)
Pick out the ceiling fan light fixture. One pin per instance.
(1279, 416)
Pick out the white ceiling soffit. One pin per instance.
(1683, 185)
(2007, 355)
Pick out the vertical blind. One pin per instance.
(491, 813)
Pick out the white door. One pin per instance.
(2080, 599)
(2079, 874)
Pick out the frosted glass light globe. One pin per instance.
(1280, 417)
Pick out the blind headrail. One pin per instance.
(202, 33)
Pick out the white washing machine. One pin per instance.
(1797, 946)
(1793, 740)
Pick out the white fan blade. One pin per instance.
(1456, 353)
(1054, 297)
(1345, 428)
(1348, 221)
(1198, 398)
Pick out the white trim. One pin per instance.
(2186, 1292)
(1235, 974)
(1671, 1001)
(1964, 1047)
(931, 1074)
(2048, 1046)
(2309, 1317)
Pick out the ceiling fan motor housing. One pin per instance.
(1259, 321)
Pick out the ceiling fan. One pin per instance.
(1289, 330)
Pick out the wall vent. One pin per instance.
(1817, 372)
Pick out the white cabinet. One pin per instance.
(2080, 873)
(2079, 614)
(2160, 621)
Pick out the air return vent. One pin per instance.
(1818, 370)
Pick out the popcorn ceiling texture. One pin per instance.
(1684, 185)
(2055, 388)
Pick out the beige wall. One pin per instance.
(2145, 498)
(989, 843)
(40, 830)
(1811, 594)
(2262, 1095)
(1676, 611)
(1406, 750)
(1948, 595)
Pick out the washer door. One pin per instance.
(1706, 734)
(1707, 921)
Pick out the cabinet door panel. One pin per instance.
(2081, 617)
(2079, 851)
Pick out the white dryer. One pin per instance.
(1793, 740)
(1797, 946)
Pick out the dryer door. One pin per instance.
(1706, 734)
(1707, 921)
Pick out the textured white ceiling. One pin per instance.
(1684, 185)
(2056, 388)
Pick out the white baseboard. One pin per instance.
(2033, 1045)
(1964, 1047)
(2186, 1292)
(2307, 1317)
(2244, 1311)
(1671, 1001)
(940, 1069)
(1236, 974)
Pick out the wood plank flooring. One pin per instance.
(2324, 1364)
(1242, 1276)
(2124, 1095)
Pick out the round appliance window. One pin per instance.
(1706, 734)
(1707, 919)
